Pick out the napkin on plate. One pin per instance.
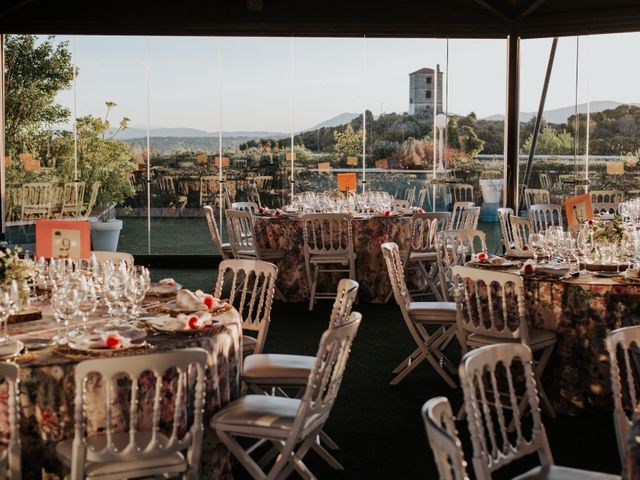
(195, 301)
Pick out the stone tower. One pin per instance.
(421, 91)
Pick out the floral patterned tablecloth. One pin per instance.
(285, 233)
(582, 311)
(47, 393)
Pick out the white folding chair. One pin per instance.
(455, 220)
(114, 257)
(139, 452)
(410, 195)
(462, 192)
(292, 425)
(93, 197)
(453, 247)
(545, 215)
(10, 467)
(490, 380)
(37, 201)
(443, 438)
(224, 249)
(504, 216)
(521, 229)
(328, 248)
(545, 181)
(491, 309)
(417, 317)
(606, 196)
(251, 293)
(276, 373)
(469, 218)
(398, 203)
(72, 201)
(536, 196)
(623, 346)
(423, 194)
(422, 254)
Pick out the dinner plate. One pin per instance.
(11, 349)
(87, 344)
(169, 324)
(608, 267)
(497, 266)
(163, 289)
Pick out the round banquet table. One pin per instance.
(47, 392)
(285, 233)
(582, 311)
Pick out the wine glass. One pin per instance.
(8, 305)
(88, 301)
(58, 299)
(538, 245)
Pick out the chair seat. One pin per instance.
(425, 312)
(277, 369)
(341, 259)
(248, 344)
(554, 472)
(260, 415)
(163, 463)
(538, 339)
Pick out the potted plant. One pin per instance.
(102, 158)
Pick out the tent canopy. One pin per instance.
(375, 18)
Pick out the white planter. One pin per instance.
(105, 235)
(491, 189)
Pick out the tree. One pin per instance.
(550, 142)
(348, 142)
(34, 74)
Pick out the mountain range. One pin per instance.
(140, 131)
(560, 115)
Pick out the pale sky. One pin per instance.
(264, 83)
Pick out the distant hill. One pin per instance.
(336, 121)
(560, 115)
(178, 132)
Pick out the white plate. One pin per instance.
(86, 344)
(169, 324)
(11, 348)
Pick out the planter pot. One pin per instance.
(105, 235)
(491, 189)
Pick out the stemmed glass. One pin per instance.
(8, 306)
(538, 245)
(88, 301)
(58, 299)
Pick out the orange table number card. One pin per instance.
(578, 210)
(225, 161)
(615, 168)
(324, 166)
(347, 182)
(352, 161)
(382, 163)
(290, 155)
(63, 239)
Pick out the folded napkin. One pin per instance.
(195, 321)
(195, 301)
(167, 281)
(495, 260)
(113, 341)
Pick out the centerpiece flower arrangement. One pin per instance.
(12, 267)
(610, 231)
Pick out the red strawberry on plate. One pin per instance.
(483, 257)
(261, 210)
(209, 301)
(528, 269)
(525, 247)
(113, 341)
(387, 213)
(194, 322)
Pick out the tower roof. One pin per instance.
(422, 70)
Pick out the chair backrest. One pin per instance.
(36, 199)
(423, 194)
(395, 269)
(346, 295)
(327, 234)
(469, 218)
(252, 285)
(210, 215)
(533, 196)
(545, 215)
(410, 195)
(443, 438)
(72, 195)
(456, 214)
(605, 207)
(245, 206)
(623, 346)
(241, 233)
(209, 186)
(115, 257)
(606, 196)
(545, 181)
(489, 303)
(504, 216)
(398, 203)
(462, 192)
(443, 219)
(119, 448)
(254, 196)
(166, 185)
(326, 375)
(521, 229)
(491, 379)
(453, 247)
(93, 197)
(423, 232)
(10, 374)
(263, 183)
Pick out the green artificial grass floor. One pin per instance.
(378, 426)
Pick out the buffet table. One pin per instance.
(285, 233)
(47, 391)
